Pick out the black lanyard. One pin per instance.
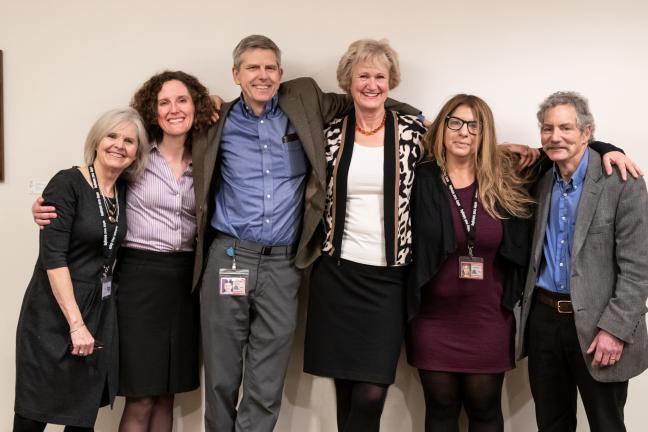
(469, 227)
(108, 248)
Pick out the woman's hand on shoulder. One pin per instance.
(623, 163)
(42, 213)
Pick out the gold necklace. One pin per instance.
(372, 131)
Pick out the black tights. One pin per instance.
(359, 405)
(446, 392)
(22, 424)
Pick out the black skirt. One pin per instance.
(158, 323)
(356, 321)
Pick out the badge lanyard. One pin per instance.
(470, 267)
(233, 282)
(108, 247)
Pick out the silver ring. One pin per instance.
(81, 353)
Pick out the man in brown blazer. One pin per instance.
(259, 178)
(582, 320)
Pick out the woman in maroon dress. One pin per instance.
(470, 213)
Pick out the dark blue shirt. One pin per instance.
(555, 270)
(261, 192)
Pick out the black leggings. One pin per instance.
(446, 392)
(22, 424)
(359, 405)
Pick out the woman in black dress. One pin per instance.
(66, 356)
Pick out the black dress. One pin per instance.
(52, 385)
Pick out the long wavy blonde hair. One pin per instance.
(502, 189)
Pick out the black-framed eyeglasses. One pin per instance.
(455, 124)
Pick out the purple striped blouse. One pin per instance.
(161, 209)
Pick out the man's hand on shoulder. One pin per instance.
(528, 155)
(218, 102)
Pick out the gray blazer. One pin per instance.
(308, 109)
(609, 268)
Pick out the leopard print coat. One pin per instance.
(403, 135)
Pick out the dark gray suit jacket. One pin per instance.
(308, 109)
(609, 268)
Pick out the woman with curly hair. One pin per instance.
(156, 310)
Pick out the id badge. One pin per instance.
(106, 287)
(233, 282)
(471, 268)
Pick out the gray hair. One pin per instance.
(255, 42)
(584, 117)
(367, 50)
(107, 123)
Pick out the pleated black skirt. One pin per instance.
(355, 322)
(158, 319)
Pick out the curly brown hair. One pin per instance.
(145, 101)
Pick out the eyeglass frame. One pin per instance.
(477, 125)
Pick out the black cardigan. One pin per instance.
(434, 239)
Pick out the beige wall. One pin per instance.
(66, 61)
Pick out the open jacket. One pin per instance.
(609, 271)
(308, 108)
(403, 150)
(434, 239)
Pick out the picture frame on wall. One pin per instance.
(1, 123)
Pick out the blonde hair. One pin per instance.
(108, 122)
(501, 188)
(368, 50)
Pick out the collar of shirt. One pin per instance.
(155, 150)
(577, 179)
(261, 188)
(271, 108)
(555, 270)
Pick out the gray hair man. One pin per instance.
(582, 321)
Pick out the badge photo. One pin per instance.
(471, 268)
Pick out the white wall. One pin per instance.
(67, 61)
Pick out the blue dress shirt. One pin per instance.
(555, 270)
(263, 170)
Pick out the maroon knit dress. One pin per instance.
(461, 326)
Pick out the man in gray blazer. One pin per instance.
(582, 321)
(259, 179)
